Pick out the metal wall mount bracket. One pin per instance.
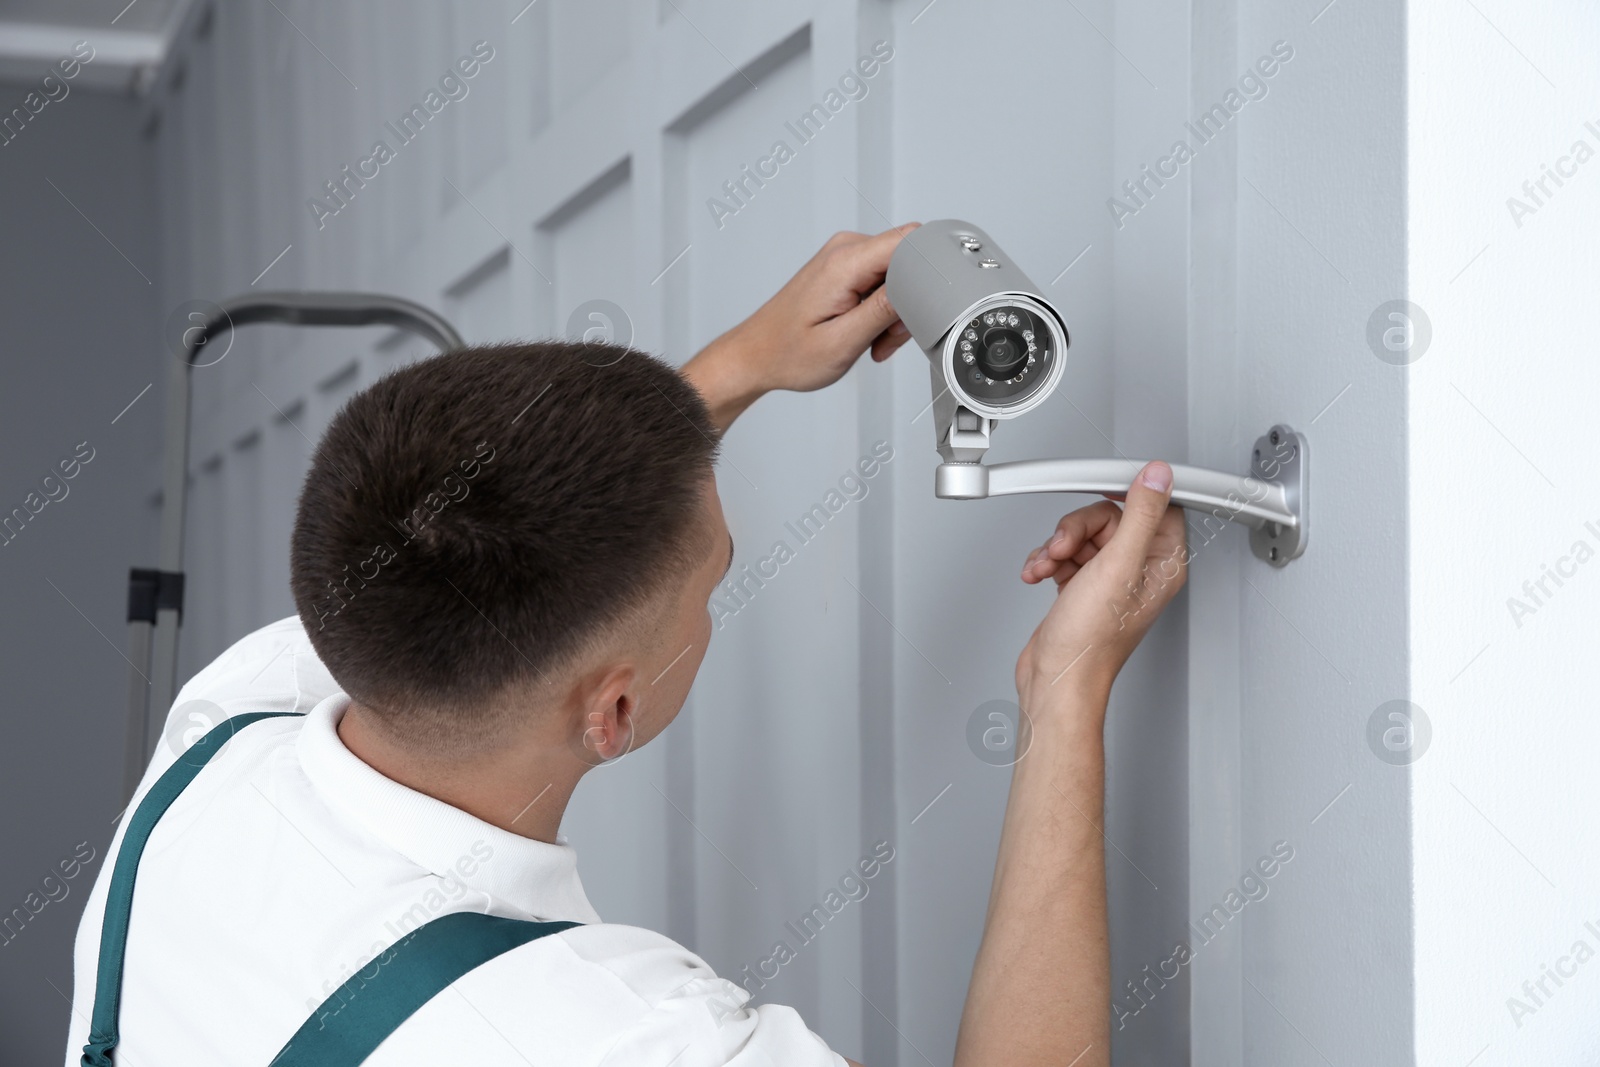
(1271, 500)
(1281, 457)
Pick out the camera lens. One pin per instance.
(1003, 353)
(1006, 353)
(1005, 357)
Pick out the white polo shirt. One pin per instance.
(288, 864)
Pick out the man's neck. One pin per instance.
(516, 787)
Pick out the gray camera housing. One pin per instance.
(944, 280)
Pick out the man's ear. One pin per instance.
(604, 730)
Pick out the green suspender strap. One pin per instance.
(119, 898)
(405, 976)
(362, 1012)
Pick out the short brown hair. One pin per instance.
(471, 520)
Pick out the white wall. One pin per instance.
(1504, 485)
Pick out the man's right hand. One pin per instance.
(1114, 569)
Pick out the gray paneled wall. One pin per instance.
(577, 165)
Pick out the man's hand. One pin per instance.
(1115, 569)
(810, 333)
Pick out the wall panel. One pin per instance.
(774, 711)
(479, 305)
(590, 46)
(242, 495)
(590, 245)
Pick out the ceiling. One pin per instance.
(130, 40)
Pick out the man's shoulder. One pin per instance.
(642, 967)
(651, 965)
(622, 994)
(273, 669)
(270, 669)
(622, 976)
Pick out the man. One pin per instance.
(501, 563)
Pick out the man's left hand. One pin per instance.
(810, 333)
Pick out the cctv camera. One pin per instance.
(995, 344)
(997, 347)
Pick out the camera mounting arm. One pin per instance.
(1271, 500)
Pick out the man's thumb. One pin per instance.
(1141, 513)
